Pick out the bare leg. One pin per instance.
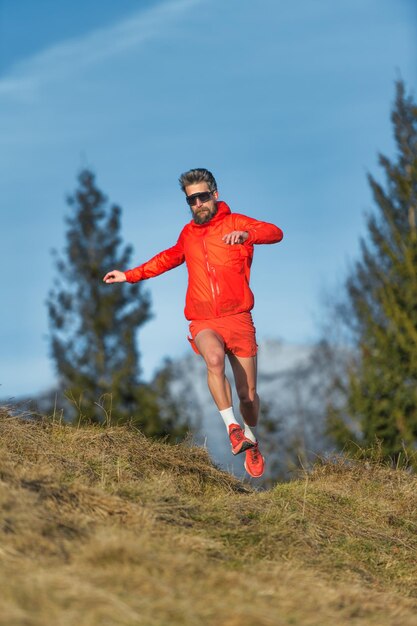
(211, 347)
(244, 370)
(245, 373)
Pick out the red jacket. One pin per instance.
(218, 273)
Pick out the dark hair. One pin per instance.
(198, 175)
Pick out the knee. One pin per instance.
(215, 362)
(247, 395)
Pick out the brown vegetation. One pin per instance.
(103, 527)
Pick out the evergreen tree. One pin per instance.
(381, 308)
(93, 327)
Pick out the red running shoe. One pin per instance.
(254, 462)
(239, 442)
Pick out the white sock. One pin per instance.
(228, 417)
(250, 433)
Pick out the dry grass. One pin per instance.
(105, 527)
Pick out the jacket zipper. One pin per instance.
(214, 285)
(216, 282)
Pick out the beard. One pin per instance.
(204, 215)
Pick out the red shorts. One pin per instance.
(237, 332)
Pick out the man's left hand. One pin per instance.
(236, 236)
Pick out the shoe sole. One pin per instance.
(246, 445)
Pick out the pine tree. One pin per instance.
(381, 307)
(93, 327)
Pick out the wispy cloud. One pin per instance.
(71, 56)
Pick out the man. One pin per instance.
(217, 247)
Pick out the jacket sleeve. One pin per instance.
(160, 263)
(259, 232)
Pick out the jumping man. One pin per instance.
(217, 246)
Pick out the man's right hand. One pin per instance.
(115, 277)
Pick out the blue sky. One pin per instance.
(287, 103)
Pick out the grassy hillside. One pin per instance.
(103, 527)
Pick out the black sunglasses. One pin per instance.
(203, 196)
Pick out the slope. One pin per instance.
(101, 526)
